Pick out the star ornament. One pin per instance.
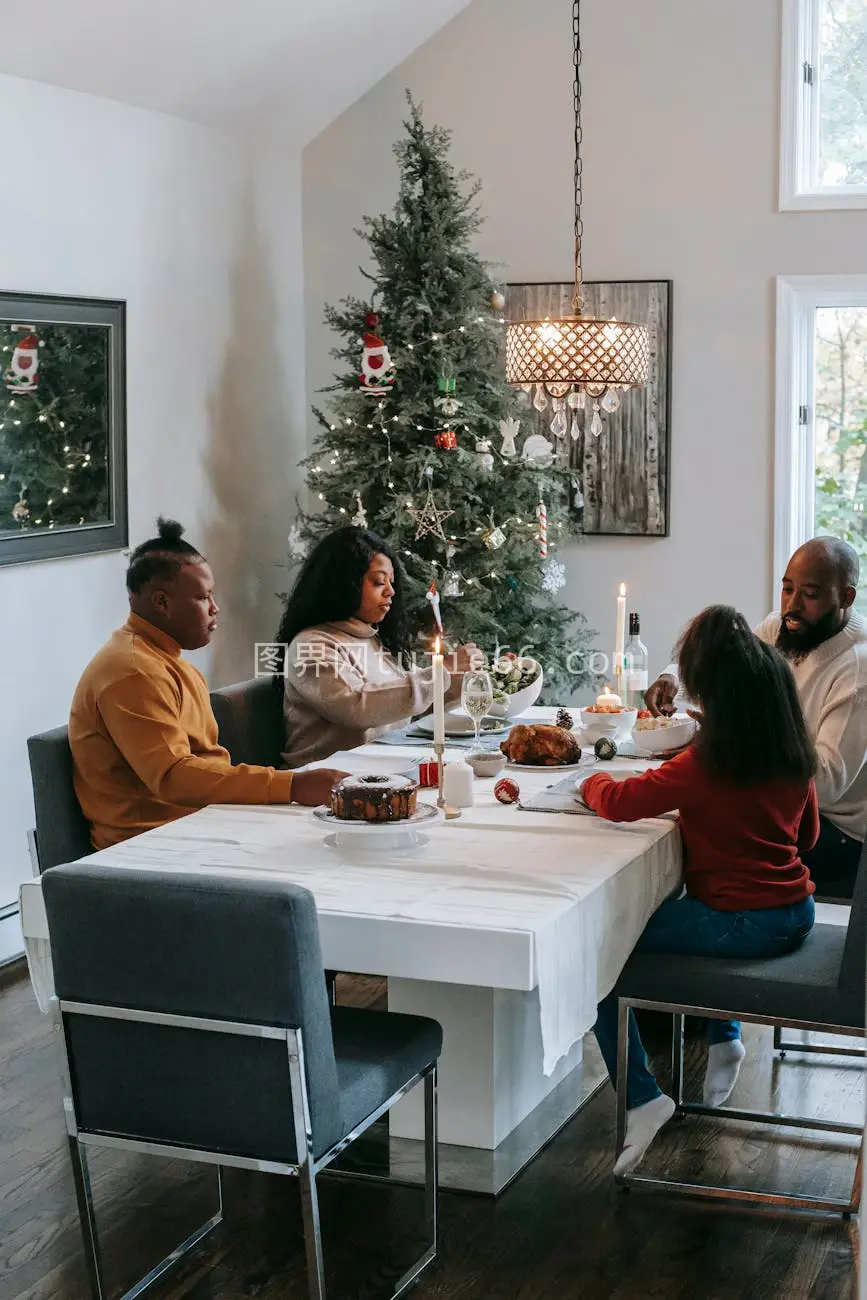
(429, 520)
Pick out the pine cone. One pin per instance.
(564, 719)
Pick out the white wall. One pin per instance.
(105, 200)
(680, 165)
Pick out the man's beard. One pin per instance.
(797, 645)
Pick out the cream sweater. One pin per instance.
(344, 689)
(832, 685)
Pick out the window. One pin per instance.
(821, 454)
(823, 153)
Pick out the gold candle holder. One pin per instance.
(450, 813)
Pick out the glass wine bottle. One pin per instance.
(635, 665)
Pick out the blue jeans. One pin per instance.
(684, 925)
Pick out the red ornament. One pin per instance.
(428, 774)
(447, 440)
(506, 790)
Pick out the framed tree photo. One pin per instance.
(62, 427)
(620, 479)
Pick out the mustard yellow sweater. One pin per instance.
(144, 740)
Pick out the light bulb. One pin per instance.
(549, 335)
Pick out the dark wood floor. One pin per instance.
(561, 1232)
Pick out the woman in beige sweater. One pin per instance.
(348, 673)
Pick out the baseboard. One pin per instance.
(11, 939)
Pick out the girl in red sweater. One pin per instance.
(748, 809)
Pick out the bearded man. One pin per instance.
(825, 641)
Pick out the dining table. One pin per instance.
(507, 924)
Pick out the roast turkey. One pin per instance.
(541, 745)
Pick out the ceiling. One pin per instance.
(219, 62)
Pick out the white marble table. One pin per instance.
(508, 928)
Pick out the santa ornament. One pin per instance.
(22, 374)
(377, 371)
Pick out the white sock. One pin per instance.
(642, 1125)
(723, 1067)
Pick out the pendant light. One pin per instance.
(577, 357)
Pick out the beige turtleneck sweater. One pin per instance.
(344, 689)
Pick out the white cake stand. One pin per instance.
(356, 837)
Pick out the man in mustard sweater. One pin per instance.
(142, 732)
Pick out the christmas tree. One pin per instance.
(418, 441)
(53, 426)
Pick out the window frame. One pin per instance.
(799, 117)
(798, 297)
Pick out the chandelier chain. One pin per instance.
(578, 294)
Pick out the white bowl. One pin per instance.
(616, 726)
(662, 740)
(521, 700)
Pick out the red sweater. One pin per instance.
(741, 843)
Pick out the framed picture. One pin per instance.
(62, 427)
(620, 483)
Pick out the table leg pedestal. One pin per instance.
(490, 1072)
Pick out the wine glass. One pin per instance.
(477, 696)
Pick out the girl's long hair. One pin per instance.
(328, 589)
(753, 729)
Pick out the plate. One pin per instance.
(459, 724)
(542, 767)
(338, 843)
(425, 815)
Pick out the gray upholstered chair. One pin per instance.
(195, 1025)
(820, 986)
(250, 720)
(62, 830)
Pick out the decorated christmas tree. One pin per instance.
(422, 441)
(53, 426)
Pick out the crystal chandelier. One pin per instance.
(577, 358)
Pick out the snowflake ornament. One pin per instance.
(554, 576)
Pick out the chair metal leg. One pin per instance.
(431, 1184)
(856, 1182)
(312, 1231)
(87, 1217)
(778, 1041)
(622, 1061)
(431, 1157)
(677, 1032)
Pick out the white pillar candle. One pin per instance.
(439, 703)
(458, 785)
(620, 634)
(608, 702)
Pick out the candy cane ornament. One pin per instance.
(542, 519)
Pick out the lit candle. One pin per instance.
(620, 635)
(439, 703)
(608, 702)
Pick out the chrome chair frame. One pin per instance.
(778, 1200)
(306, 1170)
(782, 1046)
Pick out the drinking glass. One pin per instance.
(477, 696)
